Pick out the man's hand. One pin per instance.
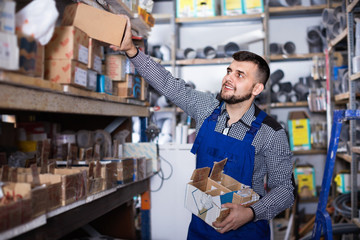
(127, 44)
(239, 215)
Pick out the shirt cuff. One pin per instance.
(137, 52)
(252, 209)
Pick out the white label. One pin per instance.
(83, 54)
(80, 76)
(92, 78)
(97, 64)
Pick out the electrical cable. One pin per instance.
(161, 174)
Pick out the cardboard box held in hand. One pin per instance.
(205, 195)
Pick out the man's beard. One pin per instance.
(234, 100)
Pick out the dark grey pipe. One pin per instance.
(314, 39)
(207, 53)
(281, 87)
(231, 48)
(328, 16)
(289, 48)
(276, 48)
(276, 76)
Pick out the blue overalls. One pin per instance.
(211, 146)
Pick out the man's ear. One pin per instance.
(258, 88)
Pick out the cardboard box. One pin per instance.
(185, 8)
(299, 131)
(91, 80)
(7, 16)
(66, 72)
(15, 211)
(124, 169)
(253, 6)
(73, 184)
(95, 55)
(131, 88)
(144, 149)
(231, 7)
(305, 179)
(31, 59)
(144, 90)
(115, 65)
(104, 84)
(109, 174)
(205, 194)
(68, 43)
(96, 23)
(9, 51)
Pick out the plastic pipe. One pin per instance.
(207, 52)
(276, 76)
(289, 48)
(231, 48)
(314, 39)
(276, 48)
(357, 37)
(328, 16)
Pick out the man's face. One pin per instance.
(239, 82)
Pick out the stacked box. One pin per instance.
(253, 6)
(104, 84)
(95, 55)
(116, 66)
(9, 51)
(31, 59)
(231, 7)
(305, 179)
(124, 169)
(7, 16)
(131, 88)
(206, 8)
(185, 8)
(96, 23)
(109, 174)
(299, 131)
(145, 149)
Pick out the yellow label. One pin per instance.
(300, 132)
(253, 3)
(233, 4)
(204, 3)
(186, 4)
(305, 182)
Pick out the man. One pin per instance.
(232, 127)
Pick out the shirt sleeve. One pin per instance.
(193, 102)
(278, 159)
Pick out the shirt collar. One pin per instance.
(248, 116)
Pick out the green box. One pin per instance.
(231, 7)
(299, 131)
(253, 6)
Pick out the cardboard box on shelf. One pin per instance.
(95, 55)
(96, 23)
(104, 84)
(68, 42)
(73, 184)
(7, 16)
(299, 131)
(66, 72)
(9, 51)
(124, 169)
(16, 210)
(147, 150)
(32, 55)
(231, 7)
(109, 174)
(205, 194)
(131, 88)
(91, 80)
(305, 179)
(115, 65)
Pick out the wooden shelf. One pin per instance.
(344, 156)
(289, 57)
(355, 76)
(356, 222)
(162, 18)
(343, 97)
(276, 11)
(356, 150)
(62, 221)
(338, 39)
(19, 92)
(289, 104)
(310, 152)
(352, 5)
(199, 61)
(220, 18)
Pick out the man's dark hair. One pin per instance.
(263, 67)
